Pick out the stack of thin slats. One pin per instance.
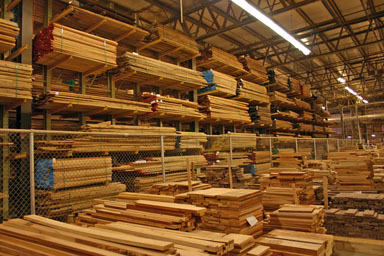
(305, 127)
(152, 213)
(58, 46)
(281, 99)
(228, 210)
(258, 71)
(305, 91)
(251, 93)
(302, 104)
(260, 250)
(360, 201)
(15, 82)
(260, 115)
(90, 105)
(218, 176)
(378, 172)
(239, 141)
(309, 218)
(274, 197)
(191, 140)
(145, 182)
(220, 110)
(294, 87)
(282, 125)
(8, 32)
(214, 58)
(169, 108)
(174, 188)
(219, 84)
(301, 180)
(170, 42)
(147, 71)
(295, 243)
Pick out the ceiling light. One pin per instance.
(359, 97)
(341, 80)
(373, 135)
(271, 24)
(351, 91)
(365, 101)
(323, 107)
(349, 137)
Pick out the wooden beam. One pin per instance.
(170, 51)
(123, 76)
(62, 108)
(96, 111)
(93, 70)
(96, 25)
(189, 58)
(149, 81)
(17, 53)
(62, 14)
(15, 104)
(125, 35)
(12, 5)
(58, 62)
(149, 44)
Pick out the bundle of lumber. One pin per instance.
(36, 235)
(355, 223)
(305, 127)
(378, 172)
(101, 25)
(191, 140)
(309, 218)
(135, 68)
(318, 174)
(108, 127)
(301, 180)
(218, 176)
(220, 110)
(214, 58)
(260, 250)
(153, 165)
(230, 210)
(60, 203)
(288, 159)
(174, 188)
(152, 213)
(294, 87)
(317, 164)
(72, 172)
(251, 93)
(262, 168)
(221, 158)
(15, 83)
(282, 125)
(306, 116)
(169, 42)
(58, 46)
(260, 157)
(353, 200)
(285, 115)
(144, 183)
(239, 141)
(357, 246)
(169, 108)
(131, 197)
(280, 99)
(305, 91)
(90, 105)
(302, 104)
(260, 115)
(219, 84)
(254, 67)
(8, 32)
(353, 172)
(295, 243)
(318, 129)
(274, 197)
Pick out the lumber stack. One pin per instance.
(258, 73)
(8, 32)
(219, 84)
(220, 110)
(280, 99)
(170, 42)
(221, 158)
(351, 200)
(260, 250)
(352, 246)
(36, 235)
(60, 203)
(135, 68)
(216, 59)
(260, 157)
(274, 197)
(58, 46)
(378, 172)
(305, 91)
(294, 87)
(355, 223)
(260, 115)
(191, 140)
(72, 172)
(288, 242)
(308, 218)
(282, 125)
(90, 105)
(218, 176)
(252, 93)
(15, 82)
(317, 175)
(301, 180)
(146, 212)
(285, 115)
(307, 116)
(144, 183)
(169, 108)
(229, 209)
(174, 188)
(239, 141)
(305, 127)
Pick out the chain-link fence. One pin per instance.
(57, 174)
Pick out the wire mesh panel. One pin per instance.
(321, 148)
(306, 146)
(332, 145)
(14, 176)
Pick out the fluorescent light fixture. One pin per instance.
(323, 107)
(365, 101)
(373, 135)
(349, 137)
(359, 97)
(351, 91)
(271, 24)
(341, 80)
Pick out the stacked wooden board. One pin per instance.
(8, 32)
(295, 243)
(219, 84)
(282, 125)
(169, 42)
(239, 141)
(302, 104)
(61, 203)
(260, 115)
(345, 246)
(301, 180)
(218, 176)
(294, 87)
(274, 197)
(40, 236)
(169, 108)
(258, 73)
(378, 172)
(280, 99)
(174, 188)
(355, 223)
(58, 46)
(191, 140)
(229, 210)
(252, 93)
(90, 105)
(15, 83)
(225, 111)
(135, 68)
(353, 200)
(152, 213)
(309, 218)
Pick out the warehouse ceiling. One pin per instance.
(346, 37)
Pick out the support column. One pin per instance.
(83, 90)
(195, 98)
(5, 165)
(358, 123)
(342, 123)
